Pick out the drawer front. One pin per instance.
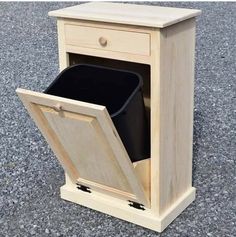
(85, 141)
(108, 39)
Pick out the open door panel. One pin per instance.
(85, 141)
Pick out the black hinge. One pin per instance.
(136, 205)
(83, 188)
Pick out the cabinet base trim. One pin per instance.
(121, 209)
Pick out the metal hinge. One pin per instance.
(83, 188)
(136, 205)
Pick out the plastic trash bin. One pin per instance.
(120, 91)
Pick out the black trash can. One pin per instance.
(120, 91)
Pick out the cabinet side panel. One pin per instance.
(177, 45)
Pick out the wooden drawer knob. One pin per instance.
(57, 107)
(102, 41)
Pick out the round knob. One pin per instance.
(57, 107)
(102, 41)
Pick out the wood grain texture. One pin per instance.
(86, 142)
(65, 48)
(62, 53)
(176, 77)
(155, 91)
(142, 15)
(120, 209)
(142, 170)
(116, 40)
(108, 54)
(126, 50)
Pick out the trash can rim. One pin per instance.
(138, 87)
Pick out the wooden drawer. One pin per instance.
(107, 39)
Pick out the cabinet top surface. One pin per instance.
(131, 14)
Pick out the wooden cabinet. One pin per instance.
(159, 44)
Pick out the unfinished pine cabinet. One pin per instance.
(159, 44)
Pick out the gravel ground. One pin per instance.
(30, 175)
